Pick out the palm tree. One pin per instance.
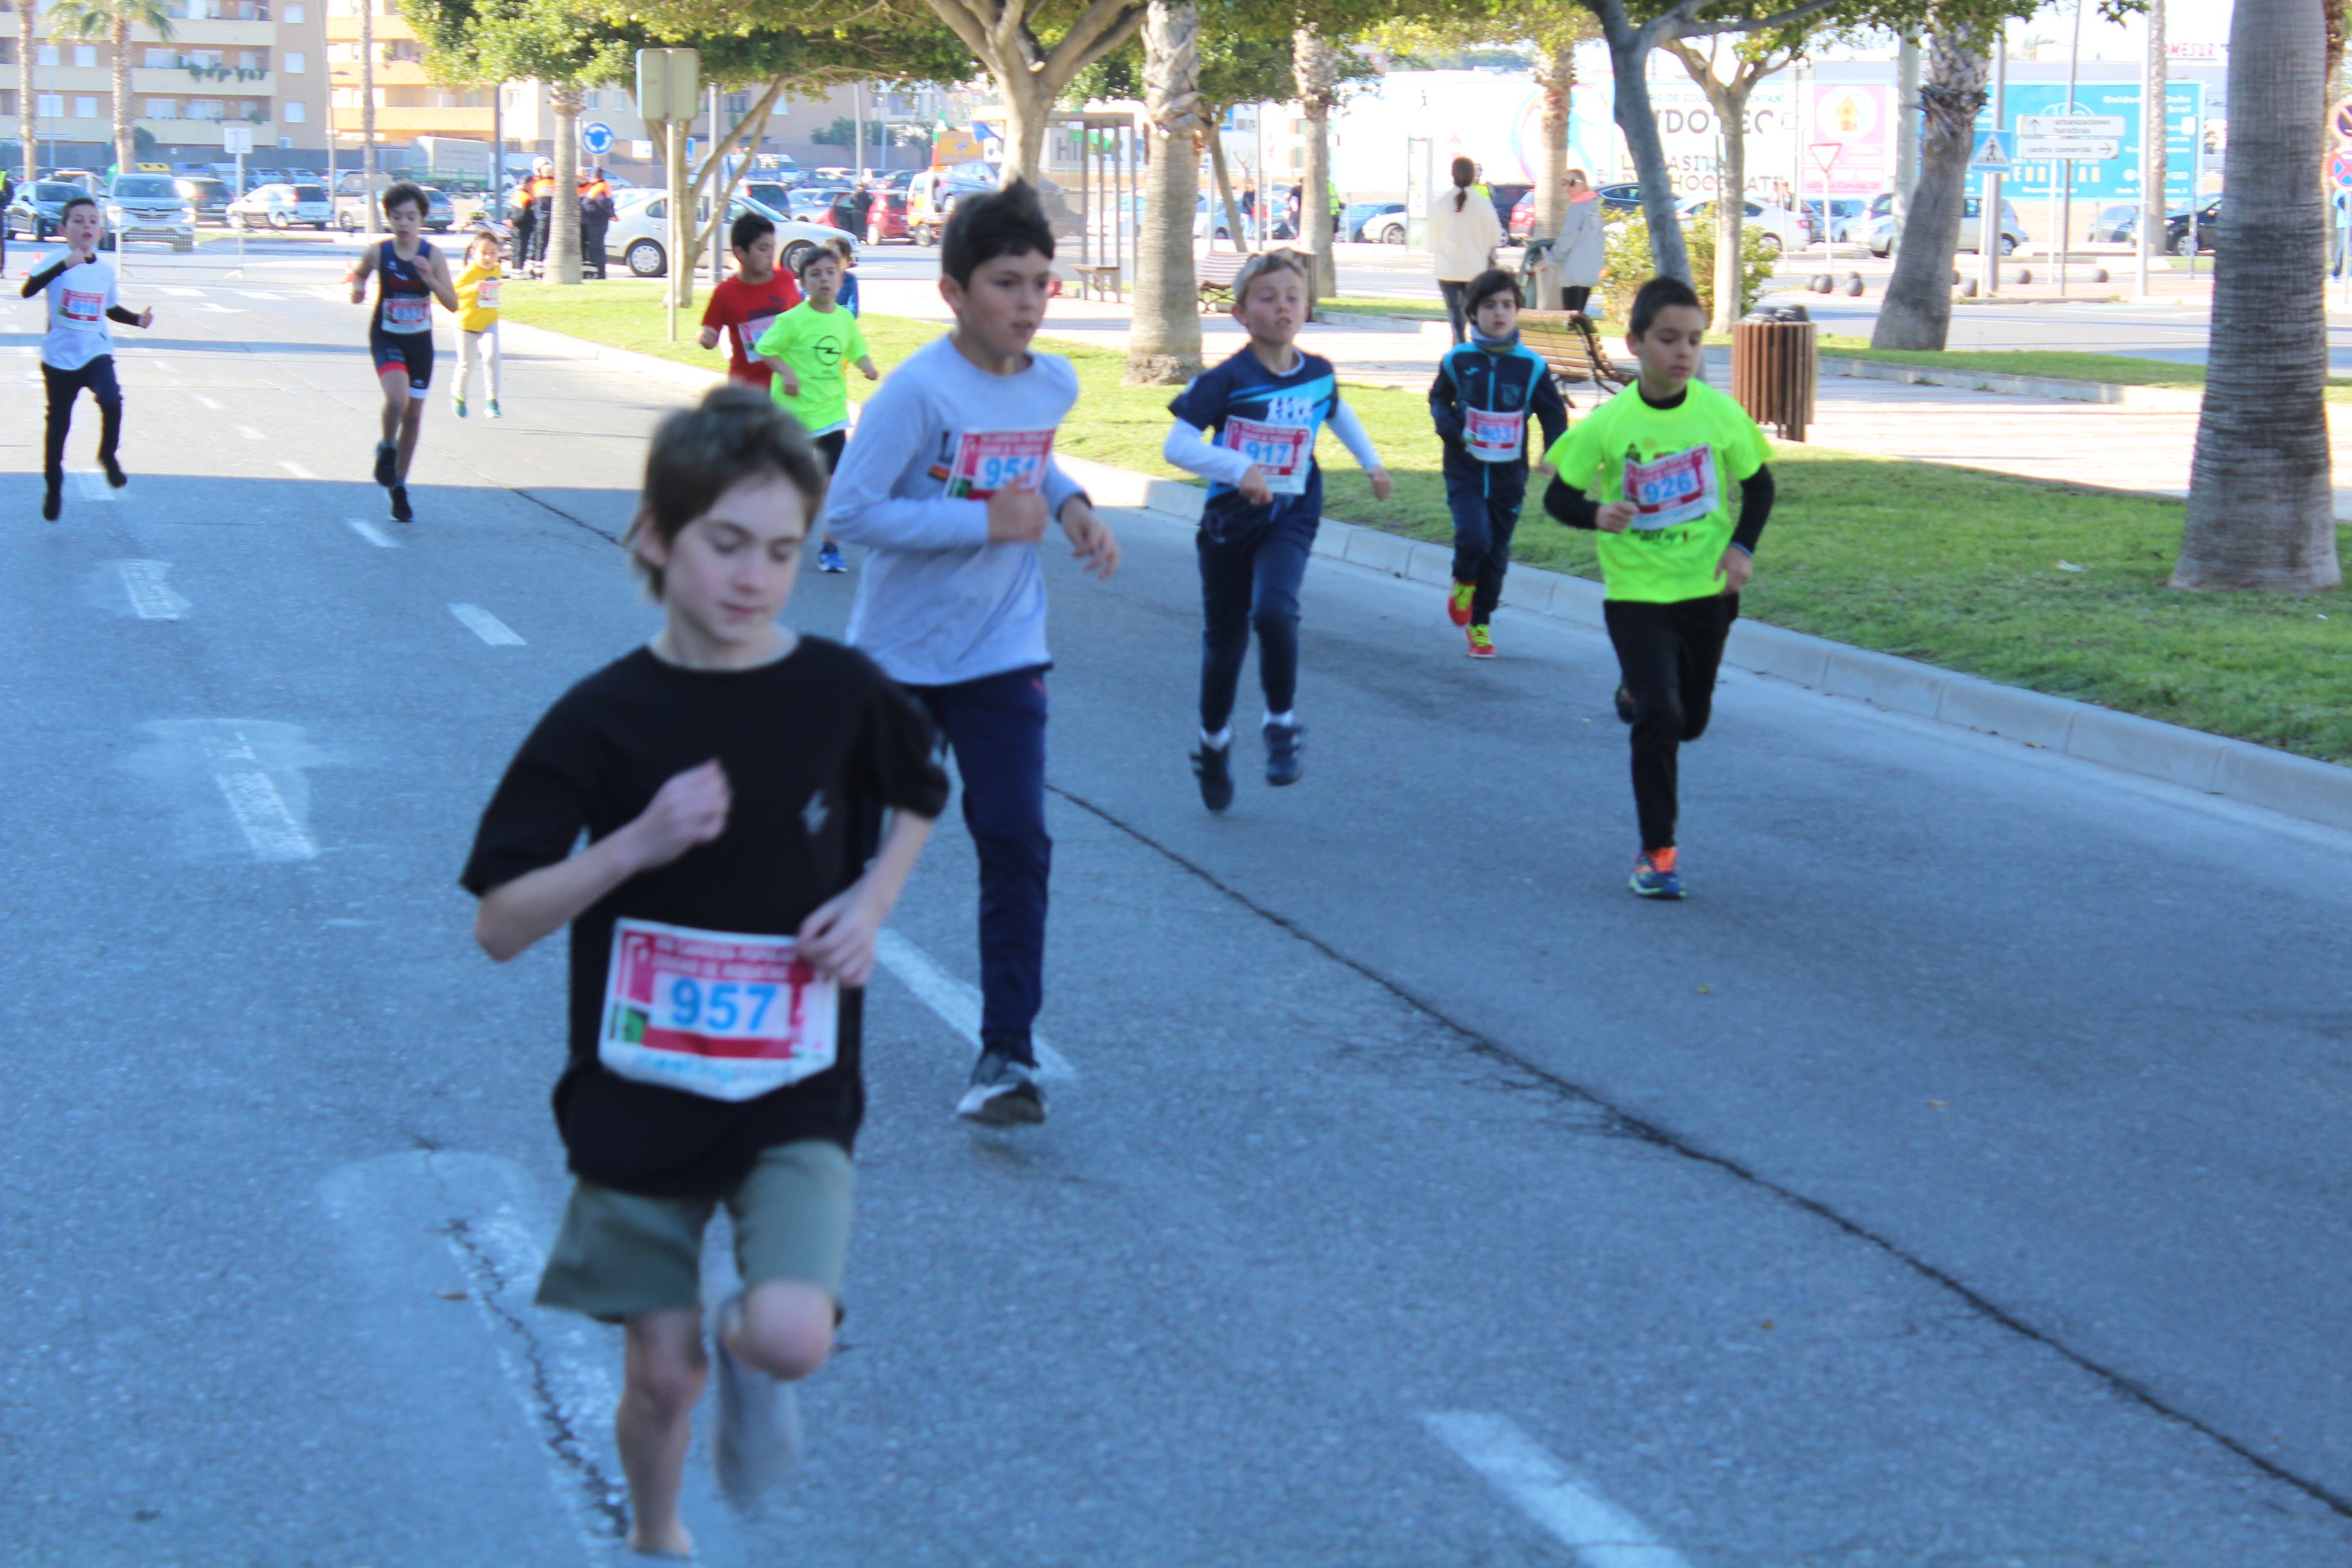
(27, 129)
(1918, 313)
(1164, 346)
(1316, 66)
(115, 19)
(2259, 503)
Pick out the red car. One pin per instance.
(886, 218)
(1523, 217)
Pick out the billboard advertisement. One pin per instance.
(1850, 139)
(2113, 179)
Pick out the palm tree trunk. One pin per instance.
(27, 129)
(1224, 182)
(120, 38)
(1555, 76)
(1918, 313)
(1313, 68)
(563, 203)
(2260, 513)
(1629, 54)
(1730, 202)
(1163, 347)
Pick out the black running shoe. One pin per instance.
(114, 474)
(400, 509)
(1624, 704)
(1283, 744)
(1003, 1093)
(386, 456)
(53, 500)
(1214, 766)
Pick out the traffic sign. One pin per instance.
(1826, 154)
(597, 137)
(2082, 127)
(2339, 168)
(237, 138)
(1994, 153)
(2058, 149)
(2339, 119)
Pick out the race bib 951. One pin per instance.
(722, 1016)
(987, 461)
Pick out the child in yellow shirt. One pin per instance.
(477, 319)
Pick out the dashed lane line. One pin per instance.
(151, 599)
(207, 402)
(372, 533)
(295, 468)
(91, 485)
(251, 433)
(486, 625)
(269, 826)
(957, 1004)
(1598, 1531)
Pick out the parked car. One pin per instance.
(1843, 211)
(1209, 205)
(1356, 216)
(149, 207)
(87, 179)
(2176, 228)
(886, 219)
(1783, 230)
(39, 209)
(932, 194)
(775, 193)
(209, 197)
(813, 204)
(1387, 228)
(2012, 231)
(2118, 224)
(282, 207)
(1618, 200)
(351, 208)
(638, 237)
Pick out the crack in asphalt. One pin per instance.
(1626, 1124)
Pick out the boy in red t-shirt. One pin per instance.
(747, 305)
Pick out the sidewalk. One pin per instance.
(2127, 446)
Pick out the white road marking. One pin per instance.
(207, 402)
(259, 294)
(217, 308)
(251, 433)
(269, 826)
(91, 485)
(295, 468)
(486, 625)
(957, 1004)
(178, 291)
(150, 597)
(1601, 1534)
(372, 533)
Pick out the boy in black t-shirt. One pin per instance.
(723, 915)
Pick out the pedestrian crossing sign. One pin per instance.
(1992, 154)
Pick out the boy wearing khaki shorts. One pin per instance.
(728, 777)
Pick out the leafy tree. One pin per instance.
(1031, 75)
(113, 18)
(1727, 77)
(2258, 501)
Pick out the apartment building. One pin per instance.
(250, 62)
(408, 103)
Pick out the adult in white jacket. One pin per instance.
(1463, 234)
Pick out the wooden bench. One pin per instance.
(1218, 272)
(1098, 275)
(1571, 346)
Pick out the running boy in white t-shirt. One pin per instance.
(79, 350)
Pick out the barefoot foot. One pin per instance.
(672, 1542)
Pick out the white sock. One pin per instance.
(1285, 719)
(1220, 740)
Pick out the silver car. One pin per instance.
(282, 207)
(149, 207)
(2012, 231)
(638, 237)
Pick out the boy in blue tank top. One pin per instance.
(1485, 391)
(410, 275)
(1248, 427)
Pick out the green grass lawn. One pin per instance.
(2065, 364)
(1952, 567)
(1379, 305)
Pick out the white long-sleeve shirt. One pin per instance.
(936, 603)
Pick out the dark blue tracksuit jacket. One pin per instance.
(1492, 390)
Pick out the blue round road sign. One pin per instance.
(597, 137)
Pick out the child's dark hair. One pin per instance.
(1488, 284)
(1002, 223)
(841, 245)
(812, 256)
(735, 433)
(747, 229)
(1659, 294)
(405, 193)
(73, 202)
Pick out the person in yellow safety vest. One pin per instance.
(541, 191)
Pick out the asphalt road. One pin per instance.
(1958, 1178)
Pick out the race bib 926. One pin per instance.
(1675, 489)
(715, 1013)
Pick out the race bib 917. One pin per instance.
(1675, 489)
(718, 1015)
(1494, 437)
(1280, 452)
(405, 313)
(987, 461)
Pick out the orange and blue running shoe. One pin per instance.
(1457, 603)
(1654, 876)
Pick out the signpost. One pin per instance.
(238, 139)
(2339, 120)
(669, 82)
(2065, 138)
(597, 138)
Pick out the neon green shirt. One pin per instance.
(816, 344)
(1682, 466)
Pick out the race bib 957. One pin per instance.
(715, 1013)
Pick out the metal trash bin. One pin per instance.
(1775, 365)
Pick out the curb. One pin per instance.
(2177, 399)
(2210, 764)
